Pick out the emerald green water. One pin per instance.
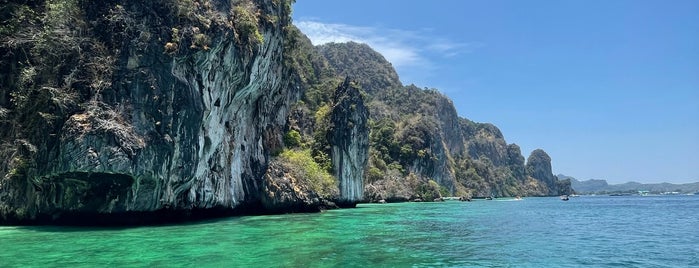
(535, 232)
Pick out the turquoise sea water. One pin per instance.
(630, 231)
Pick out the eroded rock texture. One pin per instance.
(349, 138)
(182, 123)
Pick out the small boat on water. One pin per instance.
(565, 197)
(491, 197)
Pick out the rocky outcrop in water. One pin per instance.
(163, 106)
(349, 139)
(539, 168)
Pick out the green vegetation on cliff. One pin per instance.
(369, 68)
(415, 132)
(125, 107)
(303, 166)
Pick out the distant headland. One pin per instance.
(599, 186)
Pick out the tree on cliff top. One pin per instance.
(414, 131)
(359, 61)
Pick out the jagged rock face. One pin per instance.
(446, 140)
(514, 156)
(564, 187)
(450, 125)
(539, 168)
(349, 138)
(175, 132)
(487, 141)
(516, 162)
(435, 165)
(417, 136)
(391, 189)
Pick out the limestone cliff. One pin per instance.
(349, 138)
(418, 138)
(539, 168)
(168, 106)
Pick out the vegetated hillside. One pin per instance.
(419, 147)
(371, 75)
(125, 112)
(602, 187)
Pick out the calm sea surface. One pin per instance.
(632, 231)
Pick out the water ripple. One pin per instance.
(536, 232)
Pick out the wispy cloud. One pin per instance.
(400, 47)
(450, 49)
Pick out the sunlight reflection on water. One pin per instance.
(536, 232)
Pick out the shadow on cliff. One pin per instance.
(95, 227)
(78, 222)
(89, 222)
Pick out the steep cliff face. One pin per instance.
(493, 158)
(445, 140)
(449, 122)
(539, 168)
(349, 138)
(486, 140)
(184, 121)
(415, 134)
(564, 186)
(417, 137)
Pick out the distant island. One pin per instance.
(598, 186)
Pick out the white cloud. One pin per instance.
(451, 49)
(391, 44)
(402, 48)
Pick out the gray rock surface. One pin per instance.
(176, 132)
(349, 138)
(539, 168)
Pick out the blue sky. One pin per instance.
(610, 89)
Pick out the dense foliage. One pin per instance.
(304, 167)
(416, 136)
(369, 68)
